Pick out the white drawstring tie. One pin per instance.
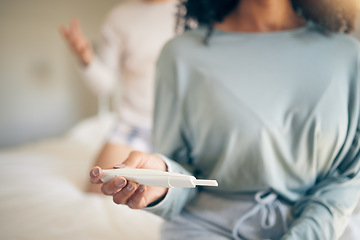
(266, 203)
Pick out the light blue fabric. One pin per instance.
(230, 216)
(260, 111)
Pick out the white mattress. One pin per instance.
(42, 193)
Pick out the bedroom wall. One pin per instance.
(41, 93)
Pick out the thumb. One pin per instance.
(135, 159)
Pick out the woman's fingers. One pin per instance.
(95, 175)
(80, 43)
(64, 32)
(127, 193)
(76, 30)
(75, 33)
(122, 196)
(113, 186)
(75, 38)
(69, 35)
(137, 200)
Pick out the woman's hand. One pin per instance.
(78, 41)
(128, 192)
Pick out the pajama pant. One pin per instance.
(230, 216)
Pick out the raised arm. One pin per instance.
(100, 71)
(78, 42)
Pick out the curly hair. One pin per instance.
(329, 15)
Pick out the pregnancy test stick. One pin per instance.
(156, 178)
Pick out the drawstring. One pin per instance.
(266, 203)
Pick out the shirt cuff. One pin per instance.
(89, 70)
(170, 168)
(94, 76)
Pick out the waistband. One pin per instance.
(259, 215)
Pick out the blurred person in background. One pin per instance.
(132, 37)
(264, 97)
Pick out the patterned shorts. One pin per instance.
(137, 138)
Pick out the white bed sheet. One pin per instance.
(42, 193)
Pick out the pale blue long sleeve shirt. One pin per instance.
(259, 111)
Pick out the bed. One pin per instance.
(42, 193)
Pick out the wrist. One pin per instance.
(86, 59)
(160, 163)
(156, 202)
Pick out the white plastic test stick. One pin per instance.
(156, 178)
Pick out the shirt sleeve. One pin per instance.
(103, 71)
(324, 212)
(169, 137)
